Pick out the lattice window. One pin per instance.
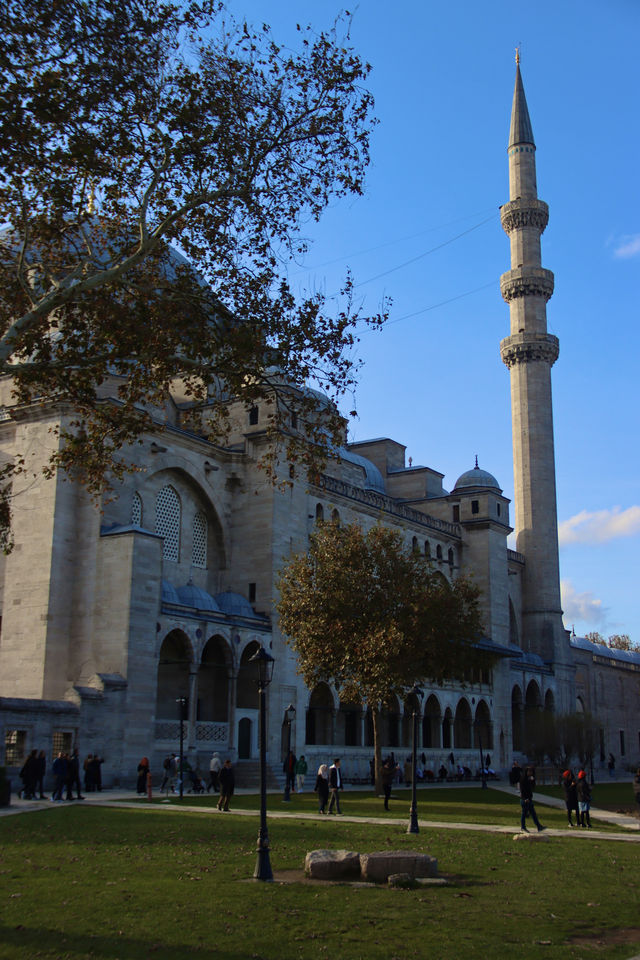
(62, 742)
(136, 510)
(168, 522)
(199, 553)
(14, 747)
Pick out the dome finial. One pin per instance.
(477, 468)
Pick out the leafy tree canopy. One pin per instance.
(363, 612)
(129, 128)
(617, 641)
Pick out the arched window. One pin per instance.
(136, 510)
(335, 517)
(450, 557)
(427, 549)
(319, 512)
(439, 552)
(168, 522)
(199, 549)
(414, 545)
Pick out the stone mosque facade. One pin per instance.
(112, 616)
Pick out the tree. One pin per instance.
(364, 612)
(621, 641)
(158, 164)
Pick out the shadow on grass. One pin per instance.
(26, 941)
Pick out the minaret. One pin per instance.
(529, 353)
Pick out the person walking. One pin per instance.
(335, 786)
(387, 781)
(227, 784)
(570, 796)
(215, 766)
(583, 790)
(59, 768)
(322, 787)
(527, 786)
(301, 772)
(141, 782)
(289, 770)
(73, 775)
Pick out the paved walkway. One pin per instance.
(125, 798)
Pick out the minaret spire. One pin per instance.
(529, 353)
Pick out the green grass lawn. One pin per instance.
(470, 804)
(80, 882)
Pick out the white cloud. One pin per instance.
(583, 608)
(600, 526)
(628, 246)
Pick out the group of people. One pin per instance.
(295, 770)
(577, 797)
(221, 777)
(329, 784)
(66, 775)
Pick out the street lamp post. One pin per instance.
(413, 814)
(264, 663)
(183, 702)
(289, 714)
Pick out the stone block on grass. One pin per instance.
(378, 867)
(332, 865)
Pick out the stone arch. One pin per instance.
(246, 685)
(213, 680)
(348, 724)
(175, 658)
(579, 705)
(335, 516)
(319, 715)
(447, 725)
(517, 717)
(194, 499)
(533, 697)
(482, 727)
(549, 701)
(432, 723)
(462, 725)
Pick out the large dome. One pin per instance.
(477, 478)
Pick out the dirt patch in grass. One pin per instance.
(599, 939)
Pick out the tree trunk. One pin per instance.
(376, 715)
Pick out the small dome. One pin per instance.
(477, 478)
(169, 593)
(234, 604)
(192, 596)
(372, 477)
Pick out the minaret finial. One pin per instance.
(518, 54)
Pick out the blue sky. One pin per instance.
(443, 79)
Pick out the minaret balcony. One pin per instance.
(529, 348)
(526, 282)
(524, 212)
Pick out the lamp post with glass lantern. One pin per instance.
(264, 662)
(289, 714)
(413, 827)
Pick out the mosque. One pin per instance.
(124, 626)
